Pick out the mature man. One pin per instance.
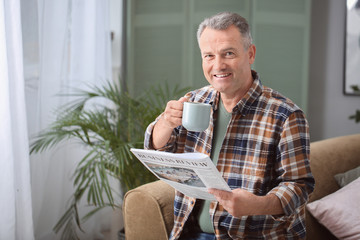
(257, 138)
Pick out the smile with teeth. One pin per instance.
(222, 75)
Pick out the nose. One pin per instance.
(219, 64)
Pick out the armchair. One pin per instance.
(148, 209)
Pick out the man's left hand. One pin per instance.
(240, 202)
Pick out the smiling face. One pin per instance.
(226, 64)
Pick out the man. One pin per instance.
(257, 138)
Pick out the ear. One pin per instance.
(251, 53)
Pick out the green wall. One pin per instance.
(162, 46)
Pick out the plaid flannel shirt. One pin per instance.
(266, 150)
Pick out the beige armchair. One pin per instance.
(148, 209)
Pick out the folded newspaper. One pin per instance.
(190, 173)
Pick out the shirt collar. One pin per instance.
(243, 106)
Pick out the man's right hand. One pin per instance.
(172, 115)
(170, 119)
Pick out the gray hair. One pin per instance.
(222, 21)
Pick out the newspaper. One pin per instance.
(190, 173)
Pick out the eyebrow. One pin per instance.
(228, 49)
(222, 51)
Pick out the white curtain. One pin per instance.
(72, 42)
(15, 201)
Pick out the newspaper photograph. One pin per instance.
(190, 173)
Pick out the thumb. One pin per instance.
(183, 99)
(219, 194)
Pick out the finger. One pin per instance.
(175, 105)
(174, 111)
(183, 99)
(172, 120)
(172, 114)
(220, 194)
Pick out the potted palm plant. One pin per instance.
(108, 131)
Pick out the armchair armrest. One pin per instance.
(149, 211)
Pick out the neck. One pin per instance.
(229, 103)
(231, 100)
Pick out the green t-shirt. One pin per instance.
(220, 128)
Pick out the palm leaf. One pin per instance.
(108, 128)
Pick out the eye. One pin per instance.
(229, 54)
(208, 56)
